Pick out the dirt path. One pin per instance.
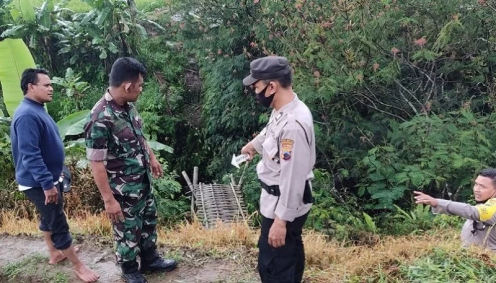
(24, 259)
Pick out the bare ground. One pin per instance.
(24, 259)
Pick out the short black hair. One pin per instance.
(489, 173)
(285, 81)
(30, 76)
(126, 69)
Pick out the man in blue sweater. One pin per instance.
(38, 155)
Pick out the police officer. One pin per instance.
(287, 147)
(481, 218)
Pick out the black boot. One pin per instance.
(151, 261)
(131, 274)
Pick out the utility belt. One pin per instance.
(275, 191)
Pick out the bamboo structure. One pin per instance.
(214, 202)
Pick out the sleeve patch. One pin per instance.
(286, 148)
(486, 211)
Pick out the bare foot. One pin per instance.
(58, 256)
(86, 274)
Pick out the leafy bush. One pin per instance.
(172, 204)
(402, 92)
(384, 79)
(332, 213)
(438, 154)
(6, 162)
(418, 220)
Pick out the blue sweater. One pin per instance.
(37, 148)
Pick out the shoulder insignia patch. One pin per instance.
(286, 148)
(487, 210)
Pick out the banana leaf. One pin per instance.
(15, 58)
(27, 10)
(157, 146)
(72, 125)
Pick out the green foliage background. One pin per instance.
(402, 92)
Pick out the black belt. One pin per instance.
(275, 191)
(271, 190)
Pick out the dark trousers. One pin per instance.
(287, 263)
(52, 217)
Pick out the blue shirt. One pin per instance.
(37, 148)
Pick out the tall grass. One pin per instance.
(390, 259)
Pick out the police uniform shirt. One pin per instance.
(287, 146)
(483, 232)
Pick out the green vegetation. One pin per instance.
(83, 6)
(402, 94)
(396, 109)
(443, 266)
(31, 265)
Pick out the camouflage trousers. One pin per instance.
(138, 230)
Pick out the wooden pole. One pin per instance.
(243, 174)
(192, 189)
(239, 204)
(195, 176)
(203, 205)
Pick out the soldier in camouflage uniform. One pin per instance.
(123, 164)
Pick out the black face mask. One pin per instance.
(262, 99)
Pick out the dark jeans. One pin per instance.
(287, 263)
(52, 217)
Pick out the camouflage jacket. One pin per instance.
(113, 134)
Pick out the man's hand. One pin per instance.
(51, 195)
(277, 233)
(156, 167)
(421, 198)
(113, 209)
(250, 150)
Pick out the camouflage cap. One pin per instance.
(267, 68)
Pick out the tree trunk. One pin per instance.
(132, 45)
(3, 107)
